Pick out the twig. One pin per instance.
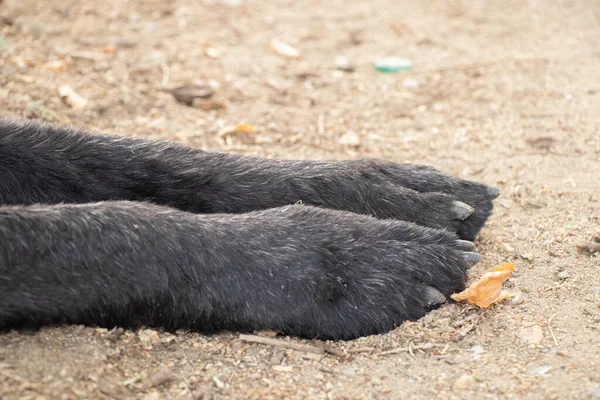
(466, 329)
(306, 348)
(550, 329)
(321, 124)
(166, 78)
(88, 55)
(332, 350)
(362, 350)
(410, 349)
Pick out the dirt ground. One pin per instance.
(503, 92)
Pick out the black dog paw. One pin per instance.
(428, 181)
(373, 275)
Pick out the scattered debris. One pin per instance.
(478, 351)
(71, 98)
(368, 350)
(401, 29)
(37, 109)
(267, 333)
(488, 289)
(466, 329)
(410, 349)
(519, 298)
(86, 55)
(159, 378)
(554, 339)
(393, 65)
(590, 247)
(125, 43)
(411, 83)
(284, 49)
(283, 368)
(594, 393)
(186, 94)
(350, 139)
(149, 337)
(543, 143)
(231, 3)
(463, 382)
(212, 52)
(564, 274)
(541, 370)
(56, 65)
(532, 334)
(306, 348)
(343, 64)
(208, 104)
(239, 128)
(330, 350)
(116, 333)
(132, 380)
(219, 384)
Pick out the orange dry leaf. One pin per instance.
(488, 289)
(239, 128)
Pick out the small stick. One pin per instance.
(550, 329)
(166, 75)
(362, 350)
(321, 124)
(410, 349)
(332, 350)
(306, 348)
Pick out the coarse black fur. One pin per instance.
(221, 248)
(41, 163)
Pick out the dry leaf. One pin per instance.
(488, 289)
(239, 128)
(71, 97)
(284, 49)
(110, 50)
(56, 65)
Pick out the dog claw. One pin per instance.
(433, 296)
(471, 258)
(461, 210)
(492, 192)
(465, 245)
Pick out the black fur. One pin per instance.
(297, 269)
(302, 270)
(42, 163)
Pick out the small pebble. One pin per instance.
(342, 64)
(411, 83)
(594, 393)
(532, 334)
(563, 274)
(477, 351)
(149, 336)
(350, 139)
(541, 370)
(463, 382)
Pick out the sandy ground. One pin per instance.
(504, 92)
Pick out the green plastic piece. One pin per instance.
(393, 65)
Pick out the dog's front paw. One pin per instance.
(459, 205)
(363, 276)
